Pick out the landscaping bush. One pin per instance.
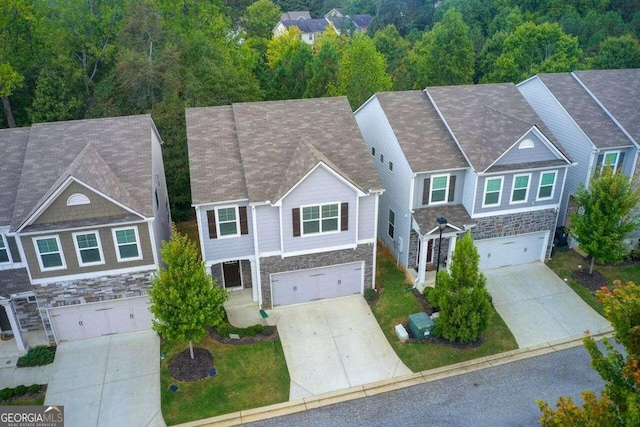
(370, 294)
(224, 329)
(7, 394)
(430, 296)
(37, 356)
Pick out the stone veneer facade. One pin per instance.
(276, 264)
(413, 249)
(105, 288)
(27, 313)
(245, 270)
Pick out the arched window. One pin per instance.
(78, 199)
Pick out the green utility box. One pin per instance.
(420, 325)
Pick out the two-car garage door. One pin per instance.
(512, 250)
(326, 282)
(101, 318)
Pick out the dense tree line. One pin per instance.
(73, 59)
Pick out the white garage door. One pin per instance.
(512, 250)
(102, 318)
(307, 285)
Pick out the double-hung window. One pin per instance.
(4, 251)
(392, 224)
(228, 221)
(547, 183)
(492, 191)
(612, 159)
(320, 218)
(50, 256)
(127, 244)
(520, 191)
(439, 189)
(88, 248)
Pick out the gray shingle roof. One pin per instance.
(14, 282)
(487, 119)
(295, 15)
(111, 154)
(272, 145)
(308, 25)
(585, 111)
(619, 92)
(424, 139)
(455, 214)
(13, 146)
(362, 21)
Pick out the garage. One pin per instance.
(299, 286)
(512, 250)
(101, 318)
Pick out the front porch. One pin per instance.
(429, 278)
(9, 351)
(242, 311)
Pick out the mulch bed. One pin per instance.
(270, 333)
(592, 282)
(183, 368)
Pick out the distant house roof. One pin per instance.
(295, 15)
(307, 25)
(362, 21)
(619, 92)
(112, 155)
(259, 150)
(13, 146)
(487, 119)
(585, 111)
(342, 23)
(336, 11)
(423, 137)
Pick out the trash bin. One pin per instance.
(420, 325)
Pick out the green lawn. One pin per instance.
(396, 303)
(249, 376)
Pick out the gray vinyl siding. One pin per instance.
(71, 258)
(571, 137)
(377, 133)
(458, 191)
(162, 216)
(320, 187)
(367, 217)
(268, 220)
(226, 248)
(540, 152)
(468, 195)
(507, 185)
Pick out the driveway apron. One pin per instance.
(538, 306)
(334, 344)
(108, 381)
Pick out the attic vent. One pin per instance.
(527, 143)
(78, 199)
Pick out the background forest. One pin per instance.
(74, 59)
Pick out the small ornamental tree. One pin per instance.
(461, 296)
(605, 216)
(184, 298)
(619, 404)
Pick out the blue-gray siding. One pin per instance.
(367, 217)
(468, 191)
(230, 247)
(539, 152)
(268, 221)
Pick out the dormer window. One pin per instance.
(78, 199)
(612, 159)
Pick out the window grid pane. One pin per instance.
(312, 212)
(438, 195)
(51, 260)
(610, 159)
(548, 178)
(228, 228)
(493, 185)
(440, 183)
(128, 251)
(545, 192)
(491, 199)
(522, 182)
(126, 236)
(309, 227)
(127, 243)
(47, 246)
(330, 224)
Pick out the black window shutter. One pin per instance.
(599, 164)
(426, 190)
(295, 213)
(211, 221)
(452, 187)
(344, 216)
(244, 227)
(620, 160)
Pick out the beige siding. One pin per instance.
(98, 208)
(71, 258)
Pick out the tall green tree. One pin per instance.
(618, 52)
(361, 72)
(445, 55)
(184, 298)
(322, 72)
(461, 296)
(260, 18)
(605, 216)
(395, 49)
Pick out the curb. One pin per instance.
(372, 389)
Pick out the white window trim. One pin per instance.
(389, 223)
(553, 186)
(484, 193)
(6, 248)
(446, 189)
(227, 236)
(513, 188)
(78, 251)
(117, 247)
(320, 205)
(39, 255)
(614, 166)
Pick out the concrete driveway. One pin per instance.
(334, 344)
(538, 306)
(108, 381)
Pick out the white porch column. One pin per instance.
(15, 326)
(422, 265)
(254, 280)
(452, 246)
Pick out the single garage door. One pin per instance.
(308, 285)
(101, 318)
(512, 250)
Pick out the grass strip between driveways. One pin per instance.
(394, 306)
(249, 376)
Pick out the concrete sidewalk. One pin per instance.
(13, 376)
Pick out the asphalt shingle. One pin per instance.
(13, 146)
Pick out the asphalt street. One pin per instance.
(501, 396)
